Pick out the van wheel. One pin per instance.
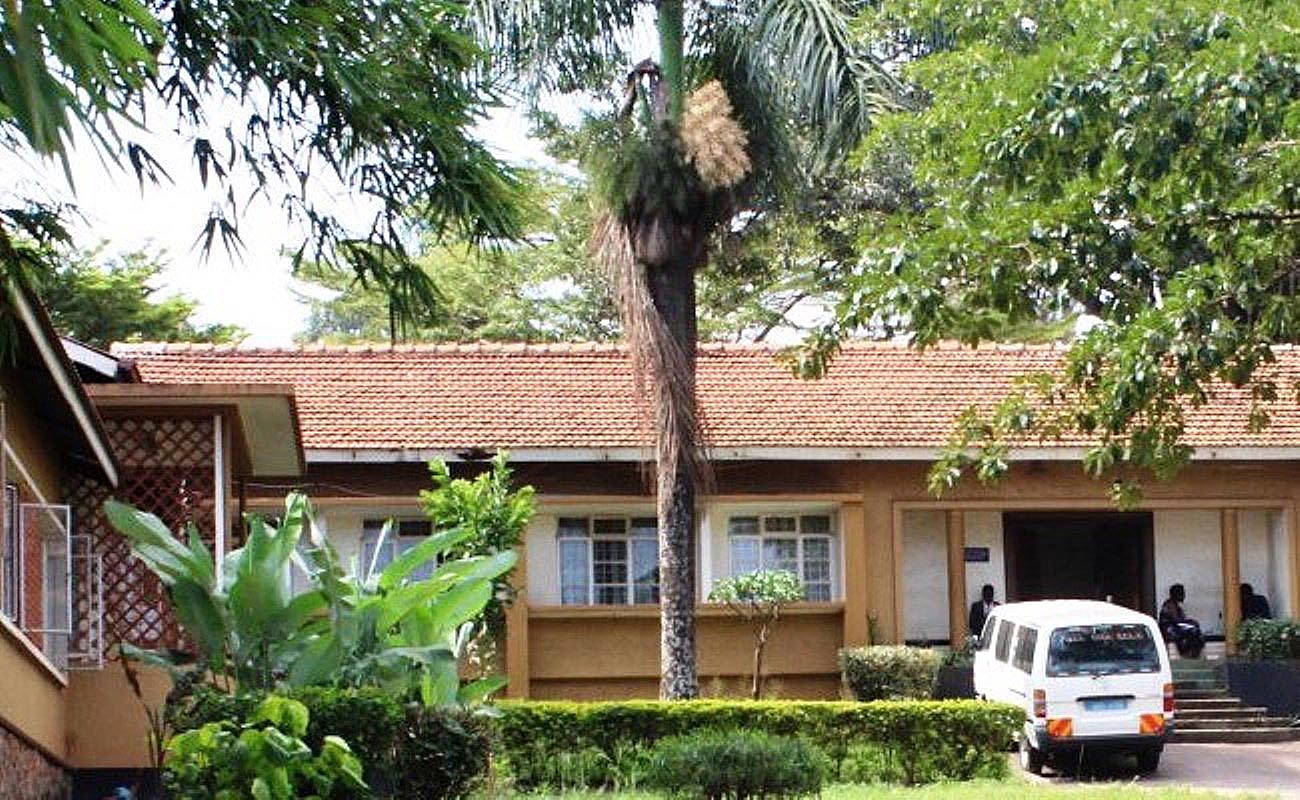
(1148, 761)
(1031, 758)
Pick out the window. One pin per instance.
(11, 561)
(1002, 649)
(986, 635)
(796, 543)
(608, 561)
(405, 534)
(1023, 658)
(1102, 650)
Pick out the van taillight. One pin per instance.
(1169, 698)
(1040, 704)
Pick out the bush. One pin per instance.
(890, 672)
(402, 747)
(1269, 639)
(961, 737)
(737, 765)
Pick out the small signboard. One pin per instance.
(977, 555)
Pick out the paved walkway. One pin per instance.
(1264, 768)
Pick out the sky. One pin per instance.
(253, 288)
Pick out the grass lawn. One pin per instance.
(1013, 789)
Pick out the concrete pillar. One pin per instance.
(1230, 553)
(853, 534)
(517, 672)
(956, 525)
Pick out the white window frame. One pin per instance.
(628, 538)
(373, 527)
(55, 638)
(830, 536)
(12, 532)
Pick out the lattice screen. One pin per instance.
(167, 465)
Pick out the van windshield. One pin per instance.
(1102, 650)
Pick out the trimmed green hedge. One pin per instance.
(929, 740)
(890, 672)
(1269, 639)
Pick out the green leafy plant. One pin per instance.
(265, 759)
(925, 740)
(441, 754)
(757, 598)
(737, 765)
(1269, 639)
(380, 628)
(890, 672)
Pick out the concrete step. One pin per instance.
(1181, 686)
(1243, 724)
(1205, 703)
(1201, 694)
(1240, 712)
(1195, 674)
(1235, 736)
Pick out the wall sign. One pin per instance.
(977, 555)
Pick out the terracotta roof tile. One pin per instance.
(458, 396)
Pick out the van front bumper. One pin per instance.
(1122, 743)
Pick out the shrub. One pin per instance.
(399, 745)
(1269, 639)
(890, 672)
(736, 765)
(441, 753)
(961, 736)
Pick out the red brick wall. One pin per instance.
(26, 774)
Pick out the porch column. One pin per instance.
(956, 578)
(853, 524)
(1230, 552)
(517, 673)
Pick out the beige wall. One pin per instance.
(33, 699)
(106, 723)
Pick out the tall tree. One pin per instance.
(1135, 162)
(280, 100)
(100, 299)
(709, 130)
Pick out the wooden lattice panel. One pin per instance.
(167, 469)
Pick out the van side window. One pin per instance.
(1023, 659)
(1003, 648)
(985, 639)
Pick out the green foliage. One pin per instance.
(737, 765)
(100, 299)
(1268, 639)
(890, 672)
(410, 752)
(762, 592)
(370, 630)
(1135, 162)
(285, 102)
(873, 763)
(264, 758)
(929, 740)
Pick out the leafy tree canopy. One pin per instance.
(99, 299)
(1135, 161)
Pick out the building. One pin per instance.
(824, 477)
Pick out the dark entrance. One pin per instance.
(1080, 555)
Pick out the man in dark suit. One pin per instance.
(1254, 606)
(980, 610)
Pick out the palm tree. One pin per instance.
(746, 99)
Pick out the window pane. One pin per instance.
(817, 592)
(815, 523)
(608, 561)
(609, 526)
(645, 570)
(611, 595)
(572, 527)
(9, 569)
(780, 524)
(744, 554)
(816, 560)
(414, 527)
(574, 578)
(742, 526)
(420, 573)
(781, 554)
(645, 526)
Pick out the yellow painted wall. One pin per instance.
(27, 438)
(107, 726)
(32, 695)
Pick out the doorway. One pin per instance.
(1081, 555)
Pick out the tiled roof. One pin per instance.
(452, 397)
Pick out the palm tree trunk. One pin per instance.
(672, 288)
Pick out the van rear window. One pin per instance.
(1102, 650)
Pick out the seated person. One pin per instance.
(1254, 606)
(1179, 628)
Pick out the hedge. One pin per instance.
(1269, 639)
(945, 739)
(890, 672)
(406, 750)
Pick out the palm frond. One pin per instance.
(555, 45)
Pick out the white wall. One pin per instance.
(1264, 563)
(1187, 552)
(984, 529)
(1280, 566)
(925, 575)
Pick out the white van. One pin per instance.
(1091, 676)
